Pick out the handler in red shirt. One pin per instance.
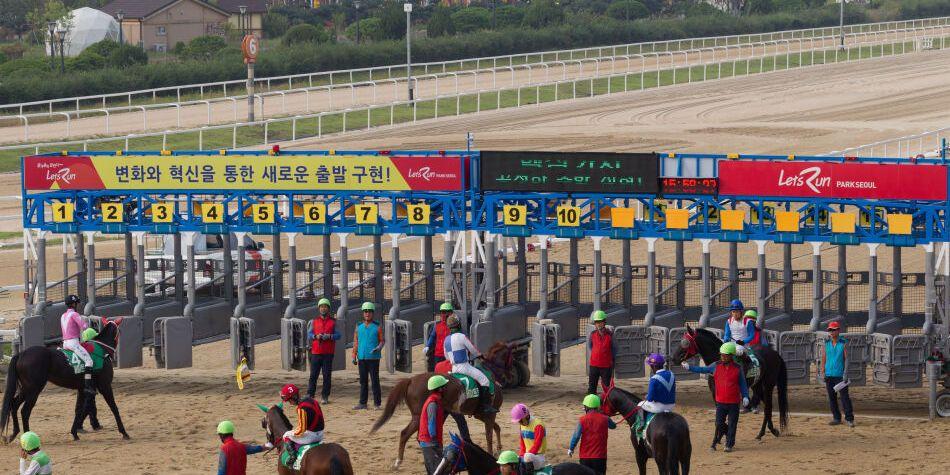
(602, 352)
(436, 338)
(591, 432)
(323, 335)
(730, 388)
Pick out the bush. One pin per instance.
(13, 51)
(86, 61)
(127, 55)
(471, 19)
(370, 30)
(440, 24)
(25, 67)
(103, 48)
(204, 47)
(392, 20)
(508, 16)
(627, 10)
(179, 49)
(3, 58)
(305, 34)
(275, 25)
(543, 13)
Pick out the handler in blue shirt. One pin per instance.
(368, 343)
(833, 363)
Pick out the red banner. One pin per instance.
(833, 180)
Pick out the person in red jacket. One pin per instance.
(323, 335)
(591, 431)
(436, 339)
(232, 458)
(431, 421)
(602, 350)
(730, 388)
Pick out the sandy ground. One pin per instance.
(171, 414)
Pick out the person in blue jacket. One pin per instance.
(661, 394)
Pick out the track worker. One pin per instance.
(72, 325)
(730, 388)
(323, 335)
(460, 351)
(436, 340)
(33, 461)
(509, 463)
(431, 420)
(602, 352)
(833, 362)
(533, 439)
(368, 343)
(232, 458)
(310, 424)
(591, 431)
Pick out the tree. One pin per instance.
(370, 29)
(339, 24)
(52, 10)
(306, 34)
(275, 25)
(440, 24)
(471, 19)
(543, 13)
(627, 10)
(204, 47)
(392, 20)
(128, 55)
(507, 16)
(13, 16)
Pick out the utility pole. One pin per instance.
(120, 15)
(407, 7)
(357, 5)
(249, 47)
(52, 44)
(841, 23)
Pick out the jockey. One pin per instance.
(72, 326)
(759, 338)
(460, 351)
(33, 461)
(661, 395)
(533, 439)
(739, 329)
(309, 428)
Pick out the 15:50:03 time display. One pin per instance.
(689, 186)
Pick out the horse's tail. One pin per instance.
(9, 394)
(783, 397)
(397, 394)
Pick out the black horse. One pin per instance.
(667, 437)
(31, 369)
(462, 456)
(774, 373)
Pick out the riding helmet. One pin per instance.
(736, 305)
(520, 411)
(598, 316)
(226, 428)
(324, 301)
(72, 300)
(368, 307)
(446, 307)
(751, 314)
(592, 401)
(656, 360)
(728, 348)
(89, 334)
(436, 382)
(29, 441)
(507, 457)
(289, 391)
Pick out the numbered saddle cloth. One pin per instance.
(641, 423)
(471, 386)
(546, 470)
(753, 368)
(96, 352)
(301, 451)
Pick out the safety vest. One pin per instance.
(424, 435)
(726, 376)
(441, 331)
(527, 435)
(235, 455)
(594, 435)
(601, 353)
(323, 325)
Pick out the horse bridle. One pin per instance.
(692, 349)
(461, 458)
(607, 390)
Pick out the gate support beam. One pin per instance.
(80, 250)
(229, 266)
(788, 303)
(344, 278)
(130, 274)
(733, 270)
(817, 286)
(680, 277)
(179, 272)
(575, 271)
(522, 258)
(291, 309)
(762, 284)
(843, 280)
(277, 272)
(397, 276)
(598, 273)
(189, 239)
(651, 282)
(627, 274)
(448, 267)
(930, 293)
(491, 273)
(139, 309)
(90, 273)
(242, 277)
(897, 278)
(872, 289)
(428, 268)
(707, 283)
(327, 270)
(39, 309)
(378, 271)
(543, 277)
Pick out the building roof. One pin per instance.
(253, 6)
(138, 9)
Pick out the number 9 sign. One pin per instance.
(515, 215)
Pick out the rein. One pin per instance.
(606, 398)
(463, 458)
(693, 348)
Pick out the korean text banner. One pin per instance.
(833, 180)
(242, 172)
(583, 172)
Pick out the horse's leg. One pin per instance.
(404, 435)
(641, 454)
(497, 434)
(29, 400)
(768, 412)
(94, 415)
(105, 388)
(17, 400)
(79, 414)
(488, 433)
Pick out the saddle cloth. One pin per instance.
(96, 352)
(301, 451)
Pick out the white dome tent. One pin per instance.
(85, 27)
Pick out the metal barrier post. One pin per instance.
(40, 308)
(872, 289)
(179, 272)
(763, 283)
(277, 272)
(843, 280)
(522, 271)
(817, 287)
(378, 272)
(627, 275)
(90, 273)
(241, 275)
(598, 273)
(344, 278)
(651, 282)
(707, 284)
(575, 272)
(189, 238)
(328, 269)
(733, 270)
(491, 272)
(680, 277)
(930, 292)
(788, 303)
(130, 276)
(291, 310)
(448, 261)
(139, 309)
(396, 277)
(897, 278)
(428, 266)
(543, 279)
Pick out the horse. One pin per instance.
(667, 437)
(774, 373)
(324, 459)
(460, 456)
(414, 390)
(31, 369)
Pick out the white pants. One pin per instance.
(471, 371)
(307, 437)
(740, 349)
(656, 407)
(74, 346)
(537, 460)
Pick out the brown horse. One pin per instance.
(414, 391)
(324, 459)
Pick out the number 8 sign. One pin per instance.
(418, 214)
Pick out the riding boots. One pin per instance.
(88, 386)
(484, 400)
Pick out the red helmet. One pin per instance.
(289, 391)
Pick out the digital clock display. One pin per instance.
(689, 186)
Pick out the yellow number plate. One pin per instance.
(111, 212)
(162, 212)
(367, 213)
(63, 212)
(568, 216)
(418, 214)
(515, 215)
(263, 213)
(315, 213)
(212, 213)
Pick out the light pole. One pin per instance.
(407, 7)
(120, 15)
(242, 20)
(356, 4)
(841, 23)
(62, 50)
(52, 44)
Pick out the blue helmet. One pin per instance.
(736, 305)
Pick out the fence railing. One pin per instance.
(293, 128)
(129, 98)
(925, 144)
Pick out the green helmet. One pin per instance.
(437, 382)
(226, 427)
(508, 456)
(29, 441)
(728, 348)
(592, 401)
(446, 307)
(89, 334)
(368, 306)
(324, 301)
(751, 314)
(598, 316)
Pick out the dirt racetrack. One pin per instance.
(171, 415)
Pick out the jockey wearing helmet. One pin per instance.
(740, 329)
(309, 428)
(459, 350)
(661, 395)
(72, 325)
(533, 437)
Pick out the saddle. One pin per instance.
(751, 367)
(301, 451)
(641, 423)
(96, 352)
(471, 386)
(546, 470)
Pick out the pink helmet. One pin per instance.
(520, 411)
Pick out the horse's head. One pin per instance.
(274, 422)
(618, 401)
(700, 342)
(109, 335)
(500, 353)
(453, 457)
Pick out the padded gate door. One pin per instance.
(632, 343)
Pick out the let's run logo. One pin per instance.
(810, 177)
(63, 176)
